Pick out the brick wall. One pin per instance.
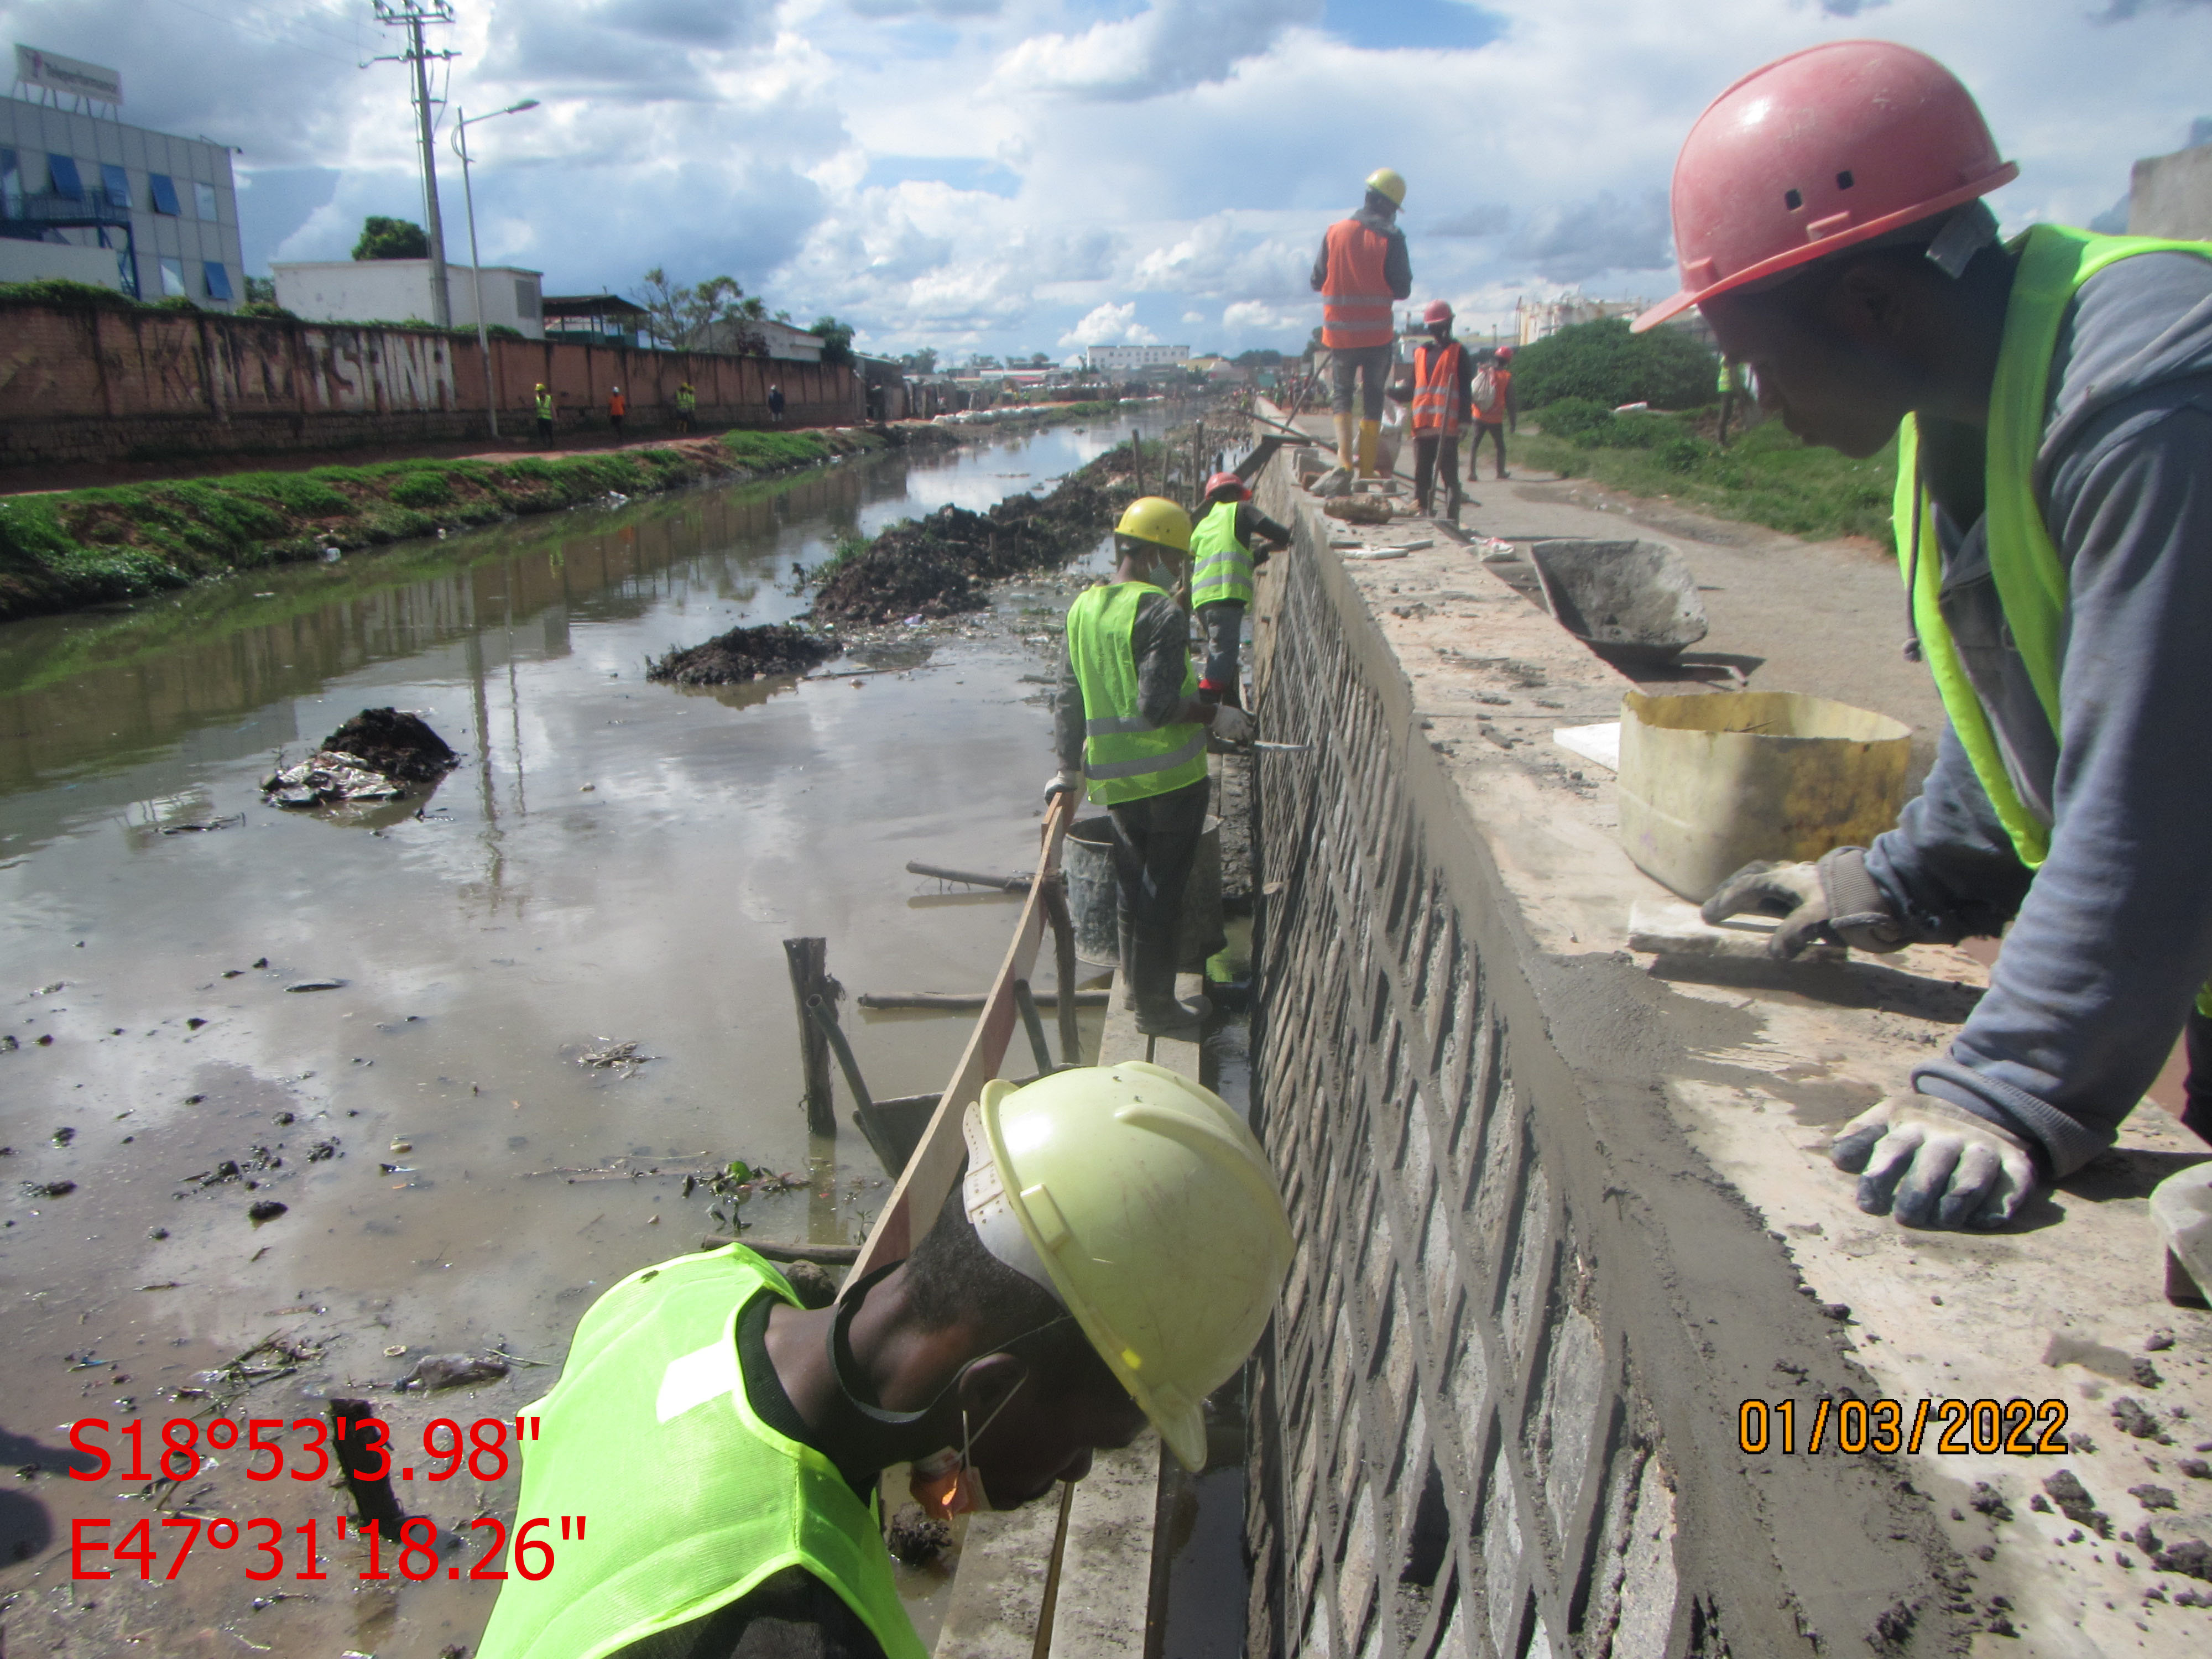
(97, 383)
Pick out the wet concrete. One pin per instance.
(613, 862)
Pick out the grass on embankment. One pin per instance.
(1764, 476)
(81, 547)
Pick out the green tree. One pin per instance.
(1606, 363)
(836, 339)
(390, 239)
(710, 315)
(923, 362)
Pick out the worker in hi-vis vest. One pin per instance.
(1113, 1253)
(1360, 273)
(1130, 728)
(2053, 522)
(686, 406)
(1223, 558)
(1438, 385)
(544, 414)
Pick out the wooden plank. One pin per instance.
(913, 1203)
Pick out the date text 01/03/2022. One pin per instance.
(2016, 1428)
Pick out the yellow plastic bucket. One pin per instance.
(1712, 781)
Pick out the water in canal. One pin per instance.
(614, 862)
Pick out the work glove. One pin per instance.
(1232, 725)
(1067, 779)
(1931, 1164)
(1834, 902)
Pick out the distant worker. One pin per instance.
(1111, 1255)
(617, 406)
(1730, 387)
(1223, 560)
(1129, 724)
(1360, 273)
(686, 406)
(2055, 396)
(545, 414)
(1496, 408)
(1440, 386)
(775, 404)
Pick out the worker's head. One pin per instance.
(1829, 225)
(1227, 486)
(1153, 535)
(1504, 354)
(1386, 192)
(614, 392)
(541, 386)
(1438, 320)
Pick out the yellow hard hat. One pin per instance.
(1388, 181)
(1156, 519)
(1152, 1214)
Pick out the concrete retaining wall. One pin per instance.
(1497, 1413)
(91, 383)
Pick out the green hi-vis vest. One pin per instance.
(544, 405)
(686, 399)
(693, 1501)
(2031, 582)
(1221, 565)
(1124, 758)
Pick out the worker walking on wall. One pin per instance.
(686, 406)
(1361, 272)
(2055, 396)
(775, 404)
(1113, 1253)
(617, 406)
(1223, 559)
(544, 416)
(1129, 727)
(1495, 408)
(1441, 388)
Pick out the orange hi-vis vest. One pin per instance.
(1436, 389)
(1356, 302)
(1493, 414)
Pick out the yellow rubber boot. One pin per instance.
(1370, 440)
(1345, 456)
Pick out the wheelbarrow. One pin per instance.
(1630, 601)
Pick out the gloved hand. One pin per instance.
(1931, 1164)
(1232, 725)
(1063, 779)
(1834, 902)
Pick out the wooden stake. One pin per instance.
(808, 961)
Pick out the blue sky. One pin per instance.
(1027, 175)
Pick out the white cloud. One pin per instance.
(1109, 325)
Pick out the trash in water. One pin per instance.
(452, 1370)
(374, 755)
(622, 1057)
(743, 654)
(267, 1209)
(317, 985)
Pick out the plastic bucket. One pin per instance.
(1093, 898)
(1712, 781)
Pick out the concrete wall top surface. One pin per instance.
(1678, 1113)
(2172, 195)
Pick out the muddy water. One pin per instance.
(614, 862)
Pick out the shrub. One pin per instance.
(1604, 363)
(303, 495)
(420, 489)
(1574, 418)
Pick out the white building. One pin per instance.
(398, 291)
(1109, 358)
(1535, 319)
(785, 342)
(87, 198)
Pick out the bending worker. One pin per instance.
(1223, 560)
(1361, 272)
(2053, 518)
(1441, 389)
(1111, 1257)
(1129, 724)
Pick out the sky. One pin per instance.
(1017, 176)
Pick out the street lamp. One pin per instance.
(462, 123)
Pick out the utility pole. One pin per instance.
(410, 16)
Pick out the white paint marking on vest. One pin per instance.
(694, 1378)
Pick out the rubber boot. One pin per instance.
(1370, 440)
(1345, 457)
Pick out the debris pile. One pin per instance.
(745, 654)
(375, 756)
(936, 566)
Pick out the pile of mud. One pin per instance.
(401, 746)
(939, 565)
(742, 654)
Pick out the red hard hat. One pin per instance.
(1221, 481)
(1828, 147)
(1506, 354)
(1439, 311)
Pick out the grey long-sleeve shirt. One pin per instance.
(1159, 638)
(2112, 936)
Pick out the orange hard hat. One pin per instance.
(1439, 311)
(1506, 354)
(1829, 146)
(1221, 481)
